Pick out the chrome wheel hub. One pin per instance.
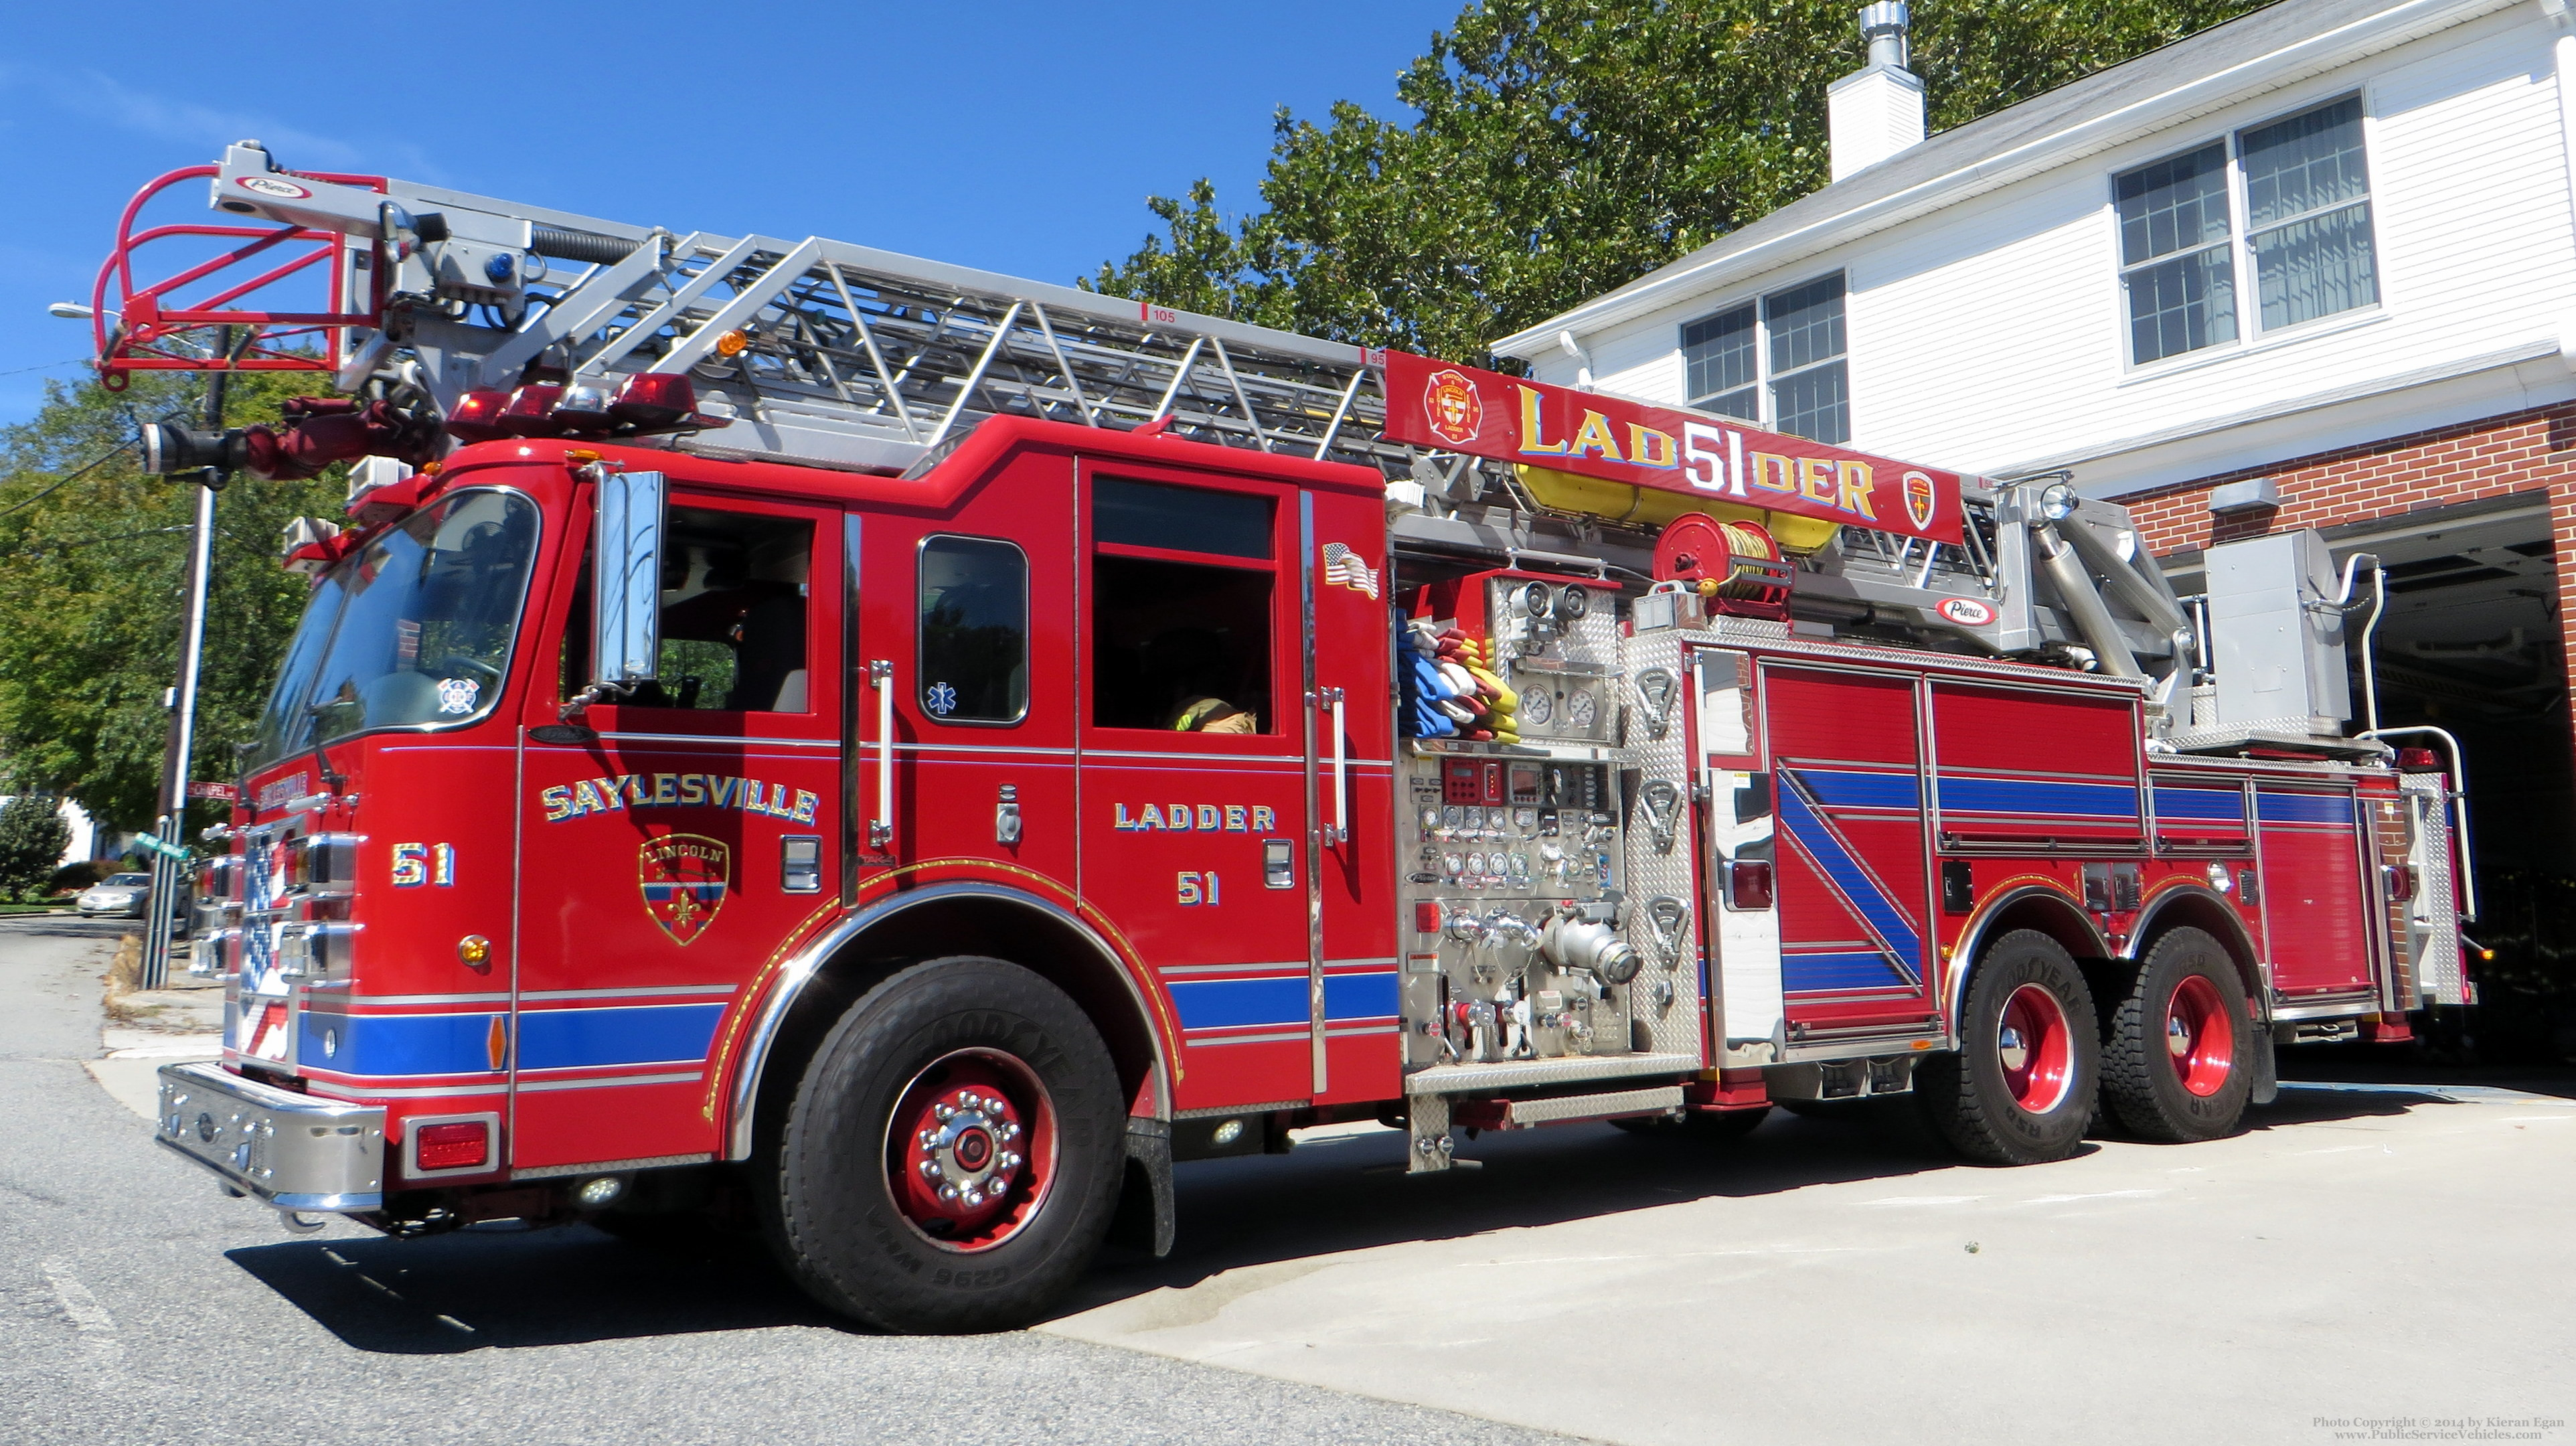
(970, 1151)
(2015, 1052)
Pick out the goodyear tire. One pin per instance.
(2019, 1090)
(2179, 1063)
(952, 1158)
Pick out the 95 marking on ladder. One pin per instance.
(418, 864)
(1199, 888)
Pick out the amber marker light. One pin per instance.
(474, 950)
(732, 343)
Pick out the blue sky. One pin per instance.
(1019, 137)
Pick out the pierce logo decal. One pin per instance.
(685, 877)
(272, 186)
(1450, 403)
(1967, 612)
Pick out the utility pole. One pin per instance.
(169, 863)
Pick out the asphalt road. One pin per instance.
(136, 1305)
(2389, 1257)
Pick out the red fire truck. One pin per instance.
(907, 755)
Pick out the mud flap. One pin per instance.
(1147, 1218)
(2267, 1071)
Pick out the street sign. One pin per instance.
(219, 792)
(152, 843)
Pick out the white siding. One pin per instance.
(1992, 334)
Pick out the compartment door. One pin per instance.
(1847, 783)
(2316, 908)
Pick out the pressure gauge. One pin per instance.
(1581, 708)
(1453, 815)
(1452, 865)
(1430, 816)
(1475, 863)
(1525, 819)
(1537, 707)
(1520, 866)
(1573, 602)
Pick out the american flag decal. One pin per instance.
(1343, 566)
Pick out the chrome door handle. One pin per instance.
(881, 827)
(1340, 832)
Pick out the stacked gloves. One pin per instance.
(1451, 689)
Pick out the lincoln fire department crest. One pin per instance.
(685, 877)
(1449, 400)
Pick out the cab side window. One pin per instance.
(974, 630)
(735, 608)
(1183, 585)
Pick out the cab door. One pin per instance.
(964, 645)
(670, 846)
(1197, 752)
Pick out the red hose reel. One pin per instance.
(1735, 567)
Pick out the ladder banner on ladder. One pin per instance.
(1700, 455)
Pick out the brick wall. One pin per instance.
(2526, 451)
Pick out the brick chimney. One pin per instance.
(1877, 110)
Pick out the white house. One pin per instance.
(2326, 251)
(85, 831)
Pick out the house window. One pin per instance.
(2181, 274)
(1787, 348)
(1725, 376)
(2307, 214)
(2289, 200)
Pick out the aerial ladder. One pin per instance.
(452, 315)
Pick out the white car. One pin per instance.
(123, 895)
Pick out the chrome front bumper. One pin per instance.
(293, 1151)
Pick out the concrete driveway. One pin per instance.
(2361, 1255)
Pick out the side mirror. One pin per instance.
(626, 580)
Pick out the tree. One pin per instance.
(93, 591)
(1561, 148)
(32, 839)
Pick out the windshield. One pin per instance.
(128, 881)
(414, 629)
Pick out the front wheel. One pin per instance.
(2180, 1060)
(2019, 1089)
(952, 1158)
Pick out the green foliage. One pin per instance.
(81, 874)
(92, 582)
(32, 839)
(1563, 148)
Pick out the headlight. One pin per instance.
(316, 950)
(214, 953)
(321, 863)
(2057, 501)
(219, 877)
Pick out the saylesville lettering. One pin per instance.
(676, 790)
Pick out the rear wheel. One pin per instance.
(2179, 1064)
(2019, 1089)
(952, 1158)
